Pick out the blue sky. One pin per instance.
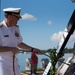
(43, 21)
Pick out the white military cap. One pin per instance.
(13, 11)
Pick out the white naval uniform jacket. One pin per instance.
(10, 37)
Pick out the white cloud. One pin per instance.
(27, 16)
(49, 22)
(57, 36)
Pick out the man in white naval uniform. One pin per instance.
(10, 40)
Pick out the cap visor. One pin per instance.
(17, 15)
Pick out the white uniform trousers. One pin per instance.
(8, 64)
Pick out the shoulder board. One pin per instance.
(1, 25)
(16, 25)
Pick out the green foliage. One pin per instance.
(54, 58)
(39, 69)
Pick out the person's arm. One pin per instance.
(25, 46)
(9, 49)
(28, 48)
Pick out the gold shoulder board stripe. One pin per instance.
(1, 25)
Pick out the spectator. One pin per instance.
(34, 63)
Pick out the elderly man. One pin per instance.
(10, 40)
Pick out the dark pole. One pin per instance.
(70, 28)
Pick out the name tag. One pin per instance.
(6, 35)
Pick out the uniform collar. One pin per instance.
(4, 24)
